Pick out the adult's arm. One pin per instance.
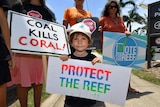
(65, 23)
(4, 28)
(6, 33)
(128, 33)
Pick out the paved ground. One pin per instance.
(149, 96)
(11, 95)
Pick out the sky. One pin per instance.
(95, 7)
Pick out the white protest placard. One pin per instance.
(82, 79)
(36, 36)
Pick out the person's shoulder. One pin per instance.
(19, 7)
(17, 4)
(70, 8)
(51, 13)
(103, 17)
(4, 4)
(88, 12)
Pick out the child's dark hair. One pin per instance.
(70, 38)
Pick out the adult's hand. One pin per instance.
(127, 33)
(100, 28)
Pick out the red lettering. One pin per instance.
(107, 74)
(86, 70)
(64, 46)
(64, 67)
(57, 47)
(51, 45)
(34, 42)
(72, 69)
(92, 74)
(79, 71)
(43, 43)
(99, 72)
(20, 40)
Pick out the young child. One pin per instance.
(80, 39)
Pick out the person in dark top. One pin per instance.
(5, 53)
(29, 8)
(29, 68)
(80, 39)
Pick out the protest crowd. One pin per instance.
(32, 36)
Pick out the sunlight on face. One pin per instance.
(80, 42)
(112, 8)
(79, 2)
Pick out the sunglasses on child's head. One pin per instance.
(111, 7)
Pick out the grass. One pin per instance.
(146, 75)
(30, 97)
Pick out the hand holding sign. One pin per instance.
(82, 79)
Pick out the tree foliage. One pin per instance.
(123, 4)
(133, 17)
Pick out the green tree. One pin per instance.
(123, 4)
(133, 16)
(143, 29)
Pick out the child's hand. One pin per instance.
(96, 60)
(64, 57)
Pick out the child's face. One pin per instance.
(80, 42)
